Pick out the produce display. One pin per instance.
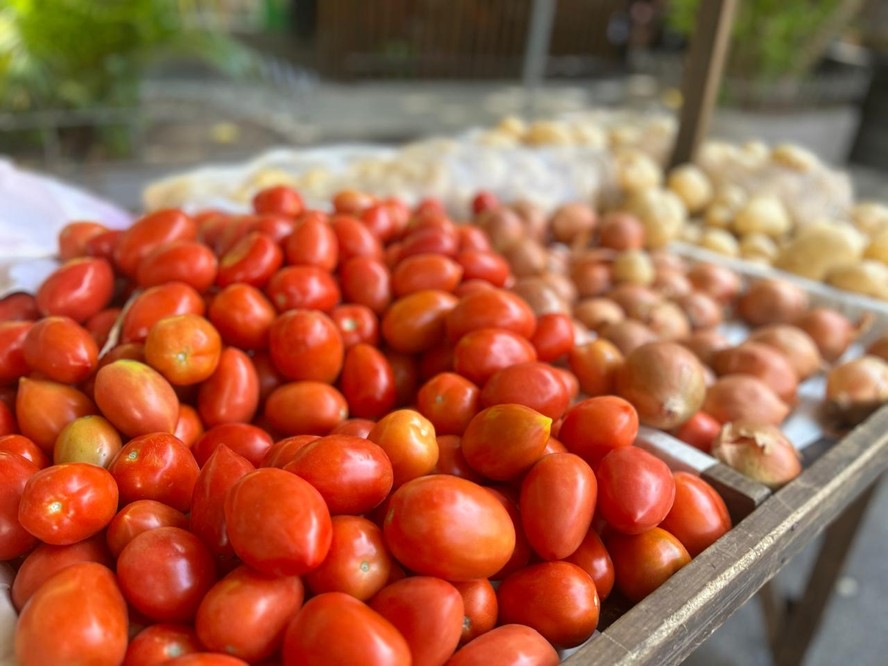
(374, 435)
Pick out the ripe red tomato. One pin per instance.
(18, 306)
(312, 243)
(44, 408)
(415, 323)
(165, 572)
(206, 659)
(354, 427)
(7, 420)
(48, 632)
(368, 382)
(440, 239)
(15, 471)
(406, 371)
(352, 202)
(448, 527)
(425, 271)
(484, 265)
(303, 287)
(136, 398)
(509, 644)
(101, 324)
(155, 303)
(483, 201)
(635, 490)
(277, 522)
(436, 360)
(535, 385)
(449, 401)
(508, 497)
(473, 238)
(140, 516)
(274, 225)
(504, 441)
(302, 408)
(231, 394)
(643, 562)
(483, 352)
(596, 426)
(306, 345)
(381, 220)
(358, 563)
(408, 439)
(284, 450)
(252, 260)
(429, 614)
(22, 446)
(104, 244)
(279, 199)
(183, 261)
(61, 349)
(699, 431)
(245, 614)
(243, 316)
(12, 350)
(355, 239)
(698, 516)
(451, 460)
(89, 439)
(595, 366)
(160, 643)
(248, 441)
(78, 289)
(148, 233)
(356, 324)
(184, 348)
(189, 427)
(491, 308)
(480, 608)
(366, 281)
(554, 336)
(592, 557)
(74, 236)
(64, 504)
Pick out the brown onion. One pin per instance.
(598, 312)
(744, 398)
(668, 321)
(831, 331)
(797, 346)
(762, 361)
(527, 258)
(664, 260)
(672, 284)
(721, 283)
(633, 267)
(621, 231)
(561, 285)
(534, 219)
(664, 382)
(558, 259)
(571, 220)
(504, 227)
(772, 301)
(628, 335)
(856, 389)
(591, 279)
(760, 451)
(702, 310)
(879, 348)
(541, 298)
(636, 301)
(705, 343)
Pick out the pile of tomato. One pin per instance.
(303, 437)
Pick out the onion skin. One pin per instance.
(664, 382)
(744, 398)
(596, 313)
(628, 335)
(702, 310)
(571, 220)
(772, 301)
(762, 361)
(761, 452)
(527, 258)
(672, 284)
(856, 389)
(541, 298)
(561, 285)
(504, 227)
(591, 279)
(705, 343)
(719, 282)
(831, 331)
(668, 321)
(797, 346)
(621, 231)
(879, 348)
(637, 301)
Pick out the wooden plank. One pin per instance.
(666, 626)
(741, 494)
(702, 75)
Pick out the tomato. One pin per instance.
(429, 614)
(277, 522)
(643, 562)
(22, 446)
(274, 225)
(61, 349)
(78, 289)
(367, 382)
(406, 373)
(148, 233)
(206, 659)
(558, 599)
(165, 572)
(408, 439)
(160, 643)
(185, 349)
(45, 561)
(7, 420)
(698, 516)
(243, 316)
(352, 201)
(491, 308)
(503, 441)
(451, 459)
(481, 353)
(356, 324)
(283, 451)
(554, 336)
(102, 323)
(184, 261)
(381, 220)
(635, 489)
(188, 427)
(535, 385)
(140, 516)
(415, 323)
(355, 239)
(18, 306)
(155, 303)
(90, 439)
(484, 265)
(592, 557)
(448, 527)
(558, 498)
(483, 201)
(312, 243)
(358, 563)
(436, 360)
(508, 497)
(15, 472)
(514, 644)
(425, 271)
(595, 427)
(449, 401)
(252, 260)
(305, 408)
(278, 199)
(231, 394)
(269, 377)
(366, 281)
(354, 427)
(64, 504)
(104, 244)
(243, 439)
(479, 608)
(44, 408)
(48, 632)
(595, 365)
(136, 398)
(74, 236)
(699, 431)
(306, 345)
(245, 614)
(12, 350)
(303, 287)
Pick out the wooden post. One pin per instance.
(702, 76)
(536, 50)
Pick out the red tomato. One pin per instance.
(252, 260)
(279, 199)
(635, 490)
(592, 557)
(356, 324)
(482, 264)
(189, 427)
(491, 308)
(366, 281)
(436, 360)
(367, 382)
(408, 439)
(595, 366)
(165, 572)
(513, 644)
(699, 431)
(61, 349)
(275, 226)
(354, 427)
(449, 401)
(205, 659)
(355, 239)
(381, 221)
(406, 372)
(48, 632)
(503, 441)
(78, 289)
(312, 243)
(481, 353)
(483, 201)
(140, 516)
(429, 614)
(12, 350)
(243, 316)
(352, 201)
(558, 498)
(306, 345)
(282, 452)
(244, 439)
(558, 599)
(595, 427)
(535, 385)
(277, 522)
(22, 446)
(448, 527)
(698, 517)
(160, 643)
(451, 459)
(415, 323)
(479, 607)
(425, 271)
(64, 504)
(269, 377)
(231, 394)
(184, 348)
(74, 236)
(15, 472)
(305, 408)
(148, 233)
(183, 261)
(358, 562)
(89, 439)
(102, 323)
(104, 244)
(472, 238)
(18, 306)
(305, 287)
(506, 496)
(7, 420)
(245, 614)
(43, 409)
(643, 562)
(136, 398)
(152, 305)
(554, 336)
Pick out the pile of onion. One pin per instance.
(760, 451)
(856, 389)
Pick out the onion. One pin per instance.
(591, 279)
(668, 321)
(701, 309)
(762, 361)
(664, 382)
(571, 220)
(533, 218)
(796, 345)
(705, 343)
(598, 312)
(666, 261)
(744, 398)
(672, 284)
(557, 259)
(527, 258)
(772, 301)
(760, 451)
(504, 227)
(541, 298)
(856, 389)
(561, 285)
(628, 335)
(636, 301)
(633, 267)
(879, 348)
(621, 231)
(721, 283)
(831, 331)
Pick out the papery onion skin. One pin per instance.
(628, 335)
(596, 313)
(772, 301)
(744, 398)
(702, 310)
(571, 220)
(831, 331)
(668, 321)
(762, 361)
(879, 348)
(721, 283)
(856, 389)
(621, 231)
(705, 343)
(760, 451)
(637, 301)
(797, 346)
